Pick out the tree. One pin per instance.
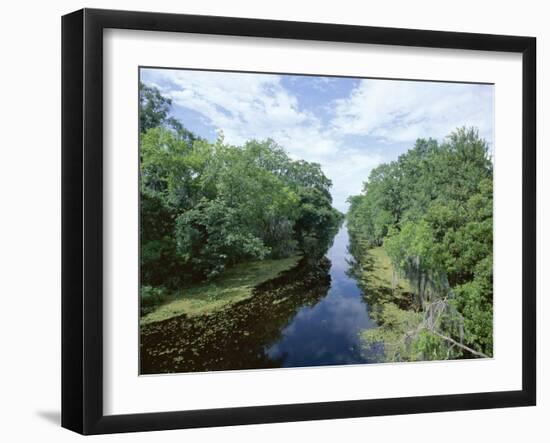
(218, 204)
(432, 211)
(153, 108)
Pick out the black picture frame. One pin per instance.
(82, 218)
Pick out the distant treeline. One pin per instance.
(206, 206)
(432, 210)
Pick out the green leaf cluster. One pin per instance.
(208, 206)
(432, 209)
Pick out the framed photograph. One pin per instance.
(268, 221)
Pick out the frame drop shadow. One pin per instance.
(54, 417)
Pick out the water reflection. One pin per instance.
(327, 333)
(309, 316)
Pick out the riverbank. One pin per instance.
(391, 301)
(235, 285)
(380, 282)
(236, 336)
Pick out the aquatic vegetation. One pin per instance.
(399, 327)
(234, 240)
(431, 211)
(235, 285)
(233, 337)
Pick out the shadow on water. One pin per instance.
(310, 315)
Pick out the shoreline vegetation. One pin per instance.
(233, 244)
(236, 284)
(430, 211)
(234, 336)
(217, 219)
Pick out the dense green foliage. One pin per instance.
(432, 210)
(208, 206)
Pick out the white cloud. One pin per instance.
(246, 106)
(406, 110)
(242, 105)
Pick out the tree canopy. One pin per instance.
(432, 210)
(206, 206)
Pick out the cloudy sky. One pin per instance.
(347, 125)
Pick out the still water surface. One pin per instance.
(327, 333)
(308, 316)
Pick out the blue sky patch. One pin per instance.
(347, 125)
